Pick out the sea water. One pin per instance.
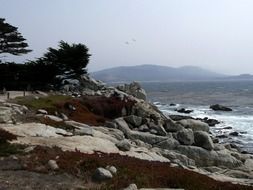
(198, 96)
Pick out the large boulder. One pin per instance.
(185, 136)
(123, 126)
(202, 139)
(218, 107)
(195, 125)
(204, 158)
(158, 128)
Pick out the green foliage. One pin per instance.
(68, 57)
(11, 41)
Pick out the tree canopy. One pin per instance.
(73, 58)
(11, 41)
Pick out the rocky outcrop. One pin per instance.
(134, 89)
(218, 107)
(185, 136)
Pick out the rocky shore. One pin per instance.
(64, 132)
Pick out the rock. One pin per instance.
(41, 111)
(112, 169)
(146, 137)
(227, 128)
(178, 158)
(64, 116)
(171, 126)
(143, 128)
(124, 145)
(53, 118)
(185, 136)
(179, 117)
(5, 114)
(172, 104)
(249, 164)
(53, 165)
(195, 125)
(238, 174)
(235, 134)
(123, 126)
(222, 136)
(75, 124)
(218, 107)
(168, 144)
(84, 131)
(133, 120)
(183, 110)
(202, 139)
(210, 122)
(204, 158)
(158, 128)
(131, 187)
(110, 124)
(102, 174)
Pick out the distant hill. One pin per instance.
(240, 77)
(155, 73)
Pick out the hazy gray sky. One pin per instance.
(213, 34)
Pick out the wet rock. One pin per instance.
(124, 145)
(183, 110)
(218, 107)
(235, 134)
(227, 128)
(222, 136)
(172, 104)
(179, 117)
(185, 137)
(102, 174)
(202, 139)
(210, 122)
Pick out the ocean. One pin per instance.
(198, 96)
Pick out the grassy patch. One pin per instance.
(48, 103)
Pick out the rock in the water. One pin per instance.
(131, 187)
(210, 122)
(183, 110)
(235, 134)
(53, 165)
(202, 139)
(195, 125)
(124, 145)
(185, 136)
(218, 107)
(102, 174)
(179, 117)
(133, 120)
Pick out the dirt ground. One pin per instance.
(13, 94)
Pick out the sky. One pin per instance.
(213, 34)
